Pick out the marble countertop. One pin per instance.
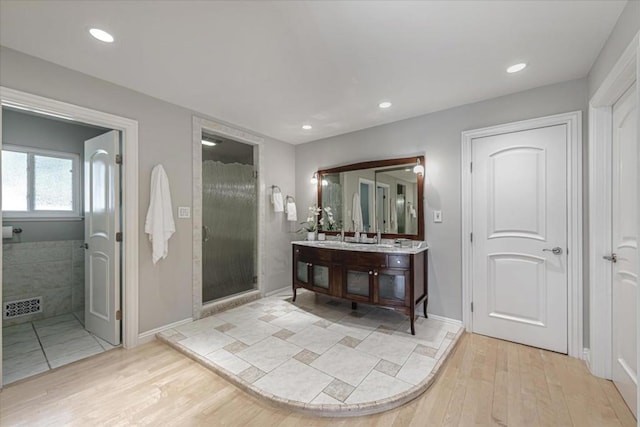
(418, 246)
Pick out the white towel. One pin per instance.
(278, 201)
(394, 217)
(292, 214)
(159, 224)
(357, 213)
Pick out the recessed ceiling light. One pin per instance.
(385, 104)
(209, 143)
(307, 127)
(101, 35)
(516, 67)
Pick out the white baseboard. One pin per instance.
(149, 336)
(444, 319)
(277, 291)
(586, 356)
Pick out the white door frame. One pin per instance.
(619, 79)
(215, 128)
(573, 121)
(129, 129)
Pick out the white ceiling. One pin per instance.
(273, 66)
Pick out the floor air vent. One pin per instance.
(21, 307)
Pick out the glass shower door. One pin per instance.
(229, 229)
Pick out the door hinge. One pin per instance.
(118, 315)
(471, 167)
(118, 159)
(255, 174)
(472, 307)
(255, 280)
(471, 237)
(119, 236)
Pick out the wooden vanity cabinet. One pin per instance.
(312, 269)
(397, 281)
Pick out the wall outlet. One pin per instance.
(184, 212)
(437, 216)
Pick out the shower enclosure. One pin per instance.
(229, 219)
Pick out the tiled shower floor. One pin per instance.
(34, 347)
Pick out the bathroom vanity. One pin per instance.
(382, 275)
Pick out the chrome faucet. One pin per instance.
(342, 236)
(379, 237)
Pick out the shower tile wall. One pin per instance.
(53, 270)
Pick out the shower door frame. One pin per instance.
(201, 125)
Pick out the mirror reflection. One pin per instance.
(373, 199)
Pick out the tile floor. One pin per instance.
(317, 350)
(34, 347)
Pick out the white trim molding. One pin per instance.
(619, 79)
(586, 356)
(573, 122)
(210, 126)
(149, 336)
(444, 319)
(129, 130)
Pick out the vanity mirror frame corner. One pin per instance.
(382, 164)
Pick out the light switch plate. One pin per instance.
(437, 216)
(184, 212)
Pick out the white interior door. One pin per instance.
(102, 221)
(625, 246)
(519, 205)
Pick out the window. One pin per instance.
(40, 184)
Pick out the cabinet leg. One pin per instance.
(426, 300)
(294, 293)
(354, 305)
(413, 328)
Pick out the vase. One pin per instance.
(311, 235)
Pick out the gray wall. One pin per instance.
(626, 28)
(39, 132)
(164, 137)
(437, 136)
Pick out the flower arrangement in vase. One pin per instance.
(310, 226)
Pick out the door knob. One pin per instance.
(556, 251)
(613, 258)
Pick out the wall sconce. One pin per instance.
(314, 178)
(418, 169)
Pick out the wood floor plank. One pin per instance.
(485, 382)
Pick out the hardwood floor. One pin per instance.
(485, 382)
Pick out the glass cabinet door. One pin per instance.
(321, 276)
(392, 286)
(302, 272)
(358, 283)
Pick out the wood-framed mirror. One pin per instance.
(383, 195)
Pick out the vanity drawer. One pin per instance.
(399, 261)
(317, 254)
(370, 260)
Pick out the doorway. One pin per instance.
(613, 284)
(128, 269)
(624, 246)
(47, 321)
(229, 218)
(214, 130)
(522, 232)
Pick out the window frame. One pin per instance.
(31, 214)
